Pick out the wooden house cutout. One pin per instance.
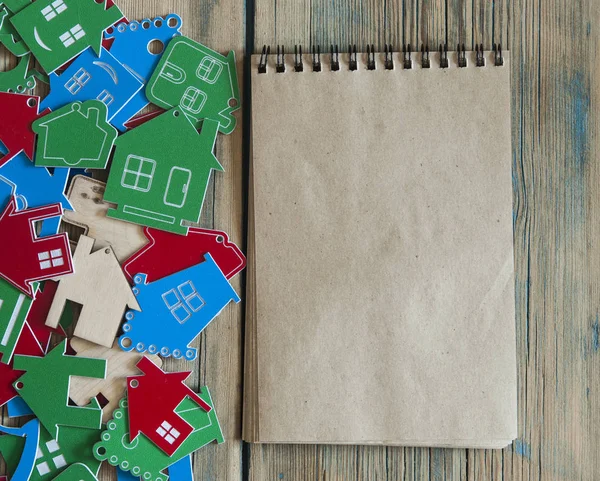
(101, 288)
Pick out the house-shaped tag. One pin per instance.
(34, 187)
(100, 286)
(77, 135)
(175, 309)
(160, 172)
(50, 375)
(24, 257)
(20, 78)
(152, 399)
(93, 77)
(16, 134)
(139, 47)
(14, 307)
(202, 82)
(56, 31)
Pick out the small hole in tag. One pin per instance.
(126, 342)
(146, 25)
(134, 383)
(220, 239)
(19, 385)
(107, 251)
(20, 88)
(156, 47)
(176, 113)
(158, 23)
(101, 450)
(233, 102)
(31, 102)
(173, 22)
(132, 26)
(110, 30)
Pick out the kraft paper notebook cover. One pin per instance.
(381, 283)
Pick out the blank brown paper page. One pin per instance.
(382, 278)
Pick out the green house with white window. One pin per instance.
(160, 172)
(202, 82)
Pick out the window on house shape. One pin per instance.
(138, 173)
(209, 70)
(193, 100)
(58, 460)
(53, 258)
(105, 97)
(77, 81)
(71, 36)
(55, 8)
(183, 300)
(168, 432)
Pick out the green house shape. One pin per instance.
(160, 172)
(201, 82)
(76, 135)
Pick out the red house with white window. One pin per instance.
(25, 258)
(152, 399)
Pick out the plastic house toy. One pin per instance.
(132, 47)
(175, 309)
(160, 172)
(76, 135)
(57, 31)
(153, 398)
(93, 77)
(202, 82)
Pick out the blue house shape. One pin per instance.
(175, 309)
(93, 78)
(34, 187)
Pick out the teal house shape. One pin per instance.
(160, 172)
(77, 135)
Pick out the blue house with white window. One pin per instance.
(175, 310)
(92, 77)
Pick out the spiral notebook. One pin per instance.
(381, 305)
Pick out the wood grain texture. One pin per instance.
(556, 217)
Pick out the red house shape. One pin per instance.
(152, 399)
(36, 318)
(15, 127)
(24, 257)
(167, 253)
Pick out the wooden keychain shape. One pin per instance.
(160, 172)
(34, 187)
(56, 31)
(139, 46)
(86, 196)
(119, 366)
(152, 399)
(77, 135)
(143, 458)
(175, 310)
(100, 286)
(92, 77)
(168, 253)
(15, 129)
(25, 258)
(202, 82)
(51, 375)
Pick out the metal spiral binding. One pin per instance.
(280, 60)
(425, 63)
(388, 61)
(407, 60)
(389, 57)
(479, 59)
(353, 62)
(444, 55)
(335, 59)
(462, 55)
(371, 57)
(316, 55)
(498, 59)
(298, 65)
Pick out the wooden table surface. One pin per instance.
(554, 48)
